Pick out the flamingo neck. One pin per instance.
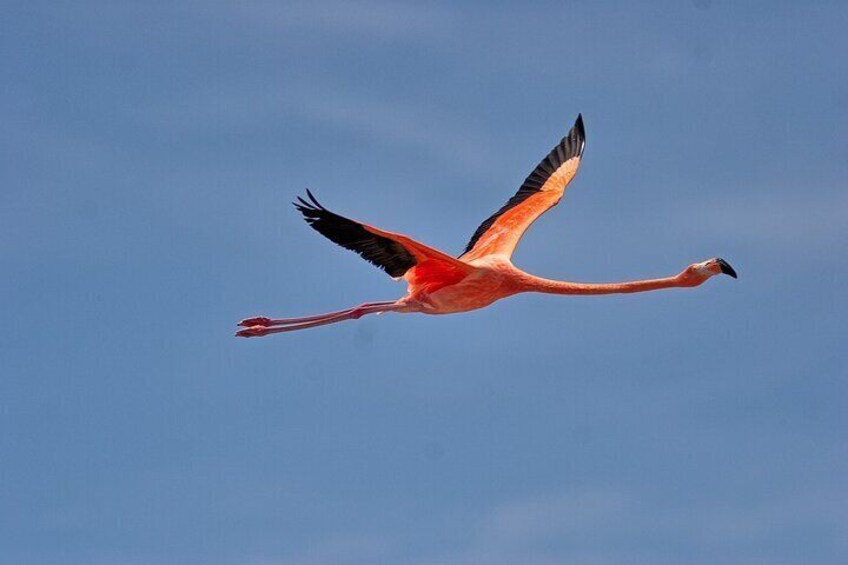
(548, 286)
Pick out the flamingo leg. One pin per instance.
(258, 327)
(263, 321)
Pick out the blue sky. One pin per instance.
(149, 157)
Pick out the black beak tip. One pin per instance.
(726, 268)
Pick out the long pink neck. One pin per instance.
(538, 284)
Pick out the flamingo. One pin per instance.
(441, 284)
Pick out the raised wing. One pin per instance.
(542, 190)
(398, 255)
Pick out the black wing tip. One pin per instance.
(312, 198)
(571, 146)
(310, 207)
(578, 135)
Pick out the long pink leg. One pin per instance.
(293, 324)
(263, 321)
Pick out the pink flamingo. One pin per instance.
(484, 273)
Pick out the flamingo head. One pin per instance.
(697, 273)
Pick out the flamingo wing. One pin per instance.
(542, 190)
(397, 254)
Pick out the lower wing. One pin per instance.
(398, 255)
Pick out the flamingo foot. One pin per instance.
(253, 331)
(260, 321)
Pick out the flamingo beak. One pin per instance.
(726, 268)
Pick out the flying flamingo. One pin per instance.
(441, 284)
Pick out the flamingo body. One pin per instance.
(484, 273)
(491, 279)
